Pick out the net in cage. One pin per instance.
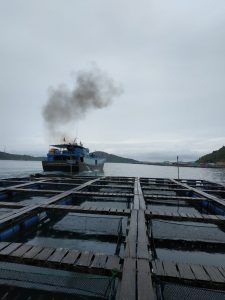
(92, 224)
(72, 285)
(170, 291)
(195, 231)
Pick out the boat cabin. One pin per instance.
(67, 151)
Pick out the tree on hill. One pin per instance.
(214, 157)
(9, 156)
(112, 158)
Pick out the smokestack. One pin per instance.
(93, 89)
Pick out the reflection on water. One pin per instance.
(25, 168)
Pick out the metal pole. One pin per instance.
(178, 171)
(71, 166)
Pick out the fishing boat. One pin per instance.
(71, 157)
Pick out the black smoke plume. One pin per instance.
(93, 89)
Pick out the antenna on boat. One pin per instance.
(77, 130)
(178, 171)
(178, 177)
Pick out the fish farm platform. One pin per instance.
(89, 237)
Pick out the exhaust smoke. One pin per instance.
(93, 89)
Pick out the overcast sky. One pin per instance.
(169, 57)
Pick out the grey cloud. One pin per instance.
(168, 55)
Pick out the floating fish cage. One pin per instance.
(89, 237)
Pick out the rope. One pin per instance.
(115, 274)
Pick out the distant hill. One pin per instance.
(9, 156)
(214, 157)
(111, 158)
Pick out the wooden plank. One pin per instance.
(22, 212)
(142, 243)
(32, 252)
(3, 245)
(199, 273)
(209, 217)
(113, 262)
(36, 191)
(22, 185)
(170, 269)
(127, 211)
(222, 271)
(10, 248)
(99, 261)
(85, 259)
(11, 205)
(183, 215)
(58, 255)
(11, 214)
(148, 212)
(21, 250)
(136, 195)
(128, 282)
(201, 193)
(144, 281)
(185, 271)
(70, 257)
(69, 192)
(154, 267)
(159, 268)
(214, 274)
(130, 250)
(105, 209)
(150, 197)
(142, 205)
(88, 210)
(44, 254)
(221, 218)
(197, 215)
(190, 216)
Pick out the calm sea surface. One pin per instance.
(24, 168)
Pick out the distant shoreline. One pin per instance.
(183, 165)
(111, 158)
(134, 163)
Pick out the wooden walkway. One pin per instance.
(221, 202)
(137, 268)
(197, 275)
(89, 210)
(136, 274)
(61, 258)
(149, 198)
(193, 217)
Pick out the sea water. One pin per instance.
(12, 168)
